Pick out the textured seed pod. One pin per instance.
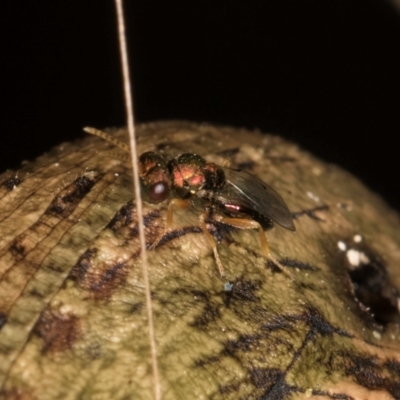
(72, 312)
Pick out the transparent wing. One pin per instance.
(245, 189)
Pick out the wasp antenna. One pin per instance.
(106, 136)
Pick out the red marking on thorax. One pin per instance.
(193, 176)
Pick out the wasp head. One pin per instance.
(154, 177)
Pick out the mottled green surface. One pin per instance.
(71, 292)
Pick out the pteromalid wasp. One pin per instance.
(231, 196)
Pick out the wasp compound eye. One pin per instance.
(158, 192)
(154, 177)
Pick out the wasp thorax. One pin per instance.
(215, 177)
(187, 173)
(154, 177)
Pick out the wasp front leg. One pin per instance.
(181, 204)
(173, 204)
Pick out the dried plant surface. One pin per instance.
(72, 314)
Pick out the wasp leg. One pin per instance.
(174, 203)
(177, 203)
(212, 243)
(243, 223)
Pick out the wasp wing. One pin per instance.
(246, 190)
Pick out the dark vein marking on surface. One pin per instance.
(298, 264)
(46, 181)
(272, 381)
(11, 183)
(65, 202)
(61, 207)
(334, 396)
(311, 212)
(368, 373)
(3, 320)
(171, 235)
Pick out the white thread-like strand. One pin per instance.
(136, 183)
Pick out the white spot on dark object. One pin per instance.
(228, 286)
(342, 245)
(364, 258)
(344, 206)
(357, 238)
(377, 335)
(356, 257)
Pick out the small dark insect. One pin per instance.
(231, 196)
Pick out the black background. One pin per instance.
(323, 73)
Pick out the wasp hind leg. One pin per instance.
(173, 204)
(212, 242)
(244, 223)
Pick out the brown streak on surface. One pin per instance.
(85, 261)
(102, 285)
(58, 331)
(16, 394)
(99, 277)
